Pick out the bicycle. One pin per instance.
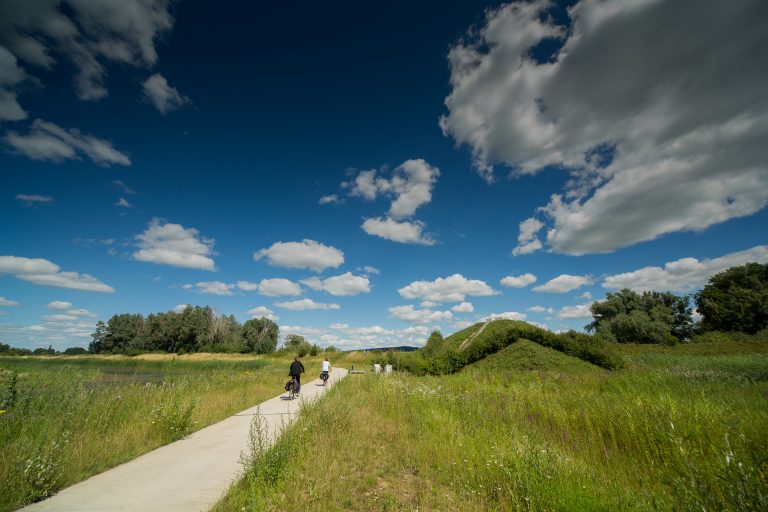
(324, 377)
(292, 387)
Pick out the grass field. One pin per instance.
(530, 428)
(67, 418)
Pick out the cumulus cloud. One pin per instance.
(66, 308)
(305, 305)
(44, 272)
(540, 309)
(342, 285)
(211, 287)
(684, 275)
(165, 243)
(59, 305)
(305, 254)
(447, 289)
(563, 283)
(247, 286)
(526, 239)
(50, 142)
(464, 307)
(7, 302)
(34, 199)
(180, 308)
(333, 198)
(579, 311)
(405, 232)
(370, 270)
(518, 281)
(621, 112)
(507, 315)
(278, 287)
(87, 33)
(11, 74)
(263, 312)
(419, 316)
(161, 95)
(410, 186)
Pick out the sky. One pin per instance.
(365, 175)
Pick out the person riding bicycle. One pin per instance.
(326, 370)
(295, 372)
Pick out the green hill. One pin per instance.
(524, 355)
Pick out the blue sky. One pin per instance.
(364, 176)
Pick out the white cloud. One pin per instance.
(333, 198)
(81, 312)
(305, 254)
(518, 281)
(211, 287)
(49, 142)
(684, 275)
(247, 286)
(429, 304)
(10, 76)
(563, 283)
(405, 232)
(622, 113)
(263, 312)
(453, 288)
(370, 270)
(86, 32)
(124, 203)
(278, 287)
(364, 185)
(173, 244)
(7, 302)
(59, 318)
(164, 97)
(507, 315)
(180, 308)
(306, 304)
(540, 309)
(526, 239)
(464, 307)
(585, 295)
(342, 285)
(34, 199)
(580, 311)
(419, 316)
(125, 188)
(43, 272)
(462, 324)
(59, 305)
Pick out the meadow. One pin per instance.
(531, 428)
(66, 418)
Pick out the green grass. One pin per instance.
(67, 418)
(499, 436)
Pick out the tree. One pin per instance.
(653, 317)
(260, 335)
(434, 344)
(735, 300)
(298, 345)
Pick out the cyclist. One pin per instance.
(326, 370)
(295, 372)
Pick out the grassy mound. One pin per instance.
(524, 355)
(481, 340)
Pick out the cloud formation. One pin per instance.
(165, 243)
(211, 287)
(579, 311)
(263, 312)
(684, 275)
(161, 95)
(278, 287)
(453, 288)
(34, 199)
(342, 285)
(419, 316)
(563, 283)
(518, 281)
(7, 302)
(43, 272)
(50, 142)
(404, 232)
(305, 305)
(507, 315)
(622, 112)
(305, 254)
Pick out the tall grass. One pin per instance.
(655, 436)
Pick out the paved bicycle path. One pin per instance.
(185, 476)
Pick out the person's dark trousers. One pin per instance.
(298, 381)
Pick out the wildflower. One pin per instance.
(3, 411)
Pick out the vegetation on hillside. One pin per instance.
(681, 428)
(735, 300)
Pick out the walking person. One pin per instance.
(295, 372)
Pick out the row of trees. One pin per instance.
(735, 300)
(195, 329)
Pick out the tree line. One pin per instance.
(735, 300)
(194, 329)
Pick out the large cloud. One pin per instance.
(342, 285)
(305, 254)
(10, 75)
(49, 142)
(44, 272)
(685, 274)
(85, 32)
(172, 244)
(278, 287)
(658, 109)
(447, 289)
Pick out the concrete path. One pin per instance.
(188, 475)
